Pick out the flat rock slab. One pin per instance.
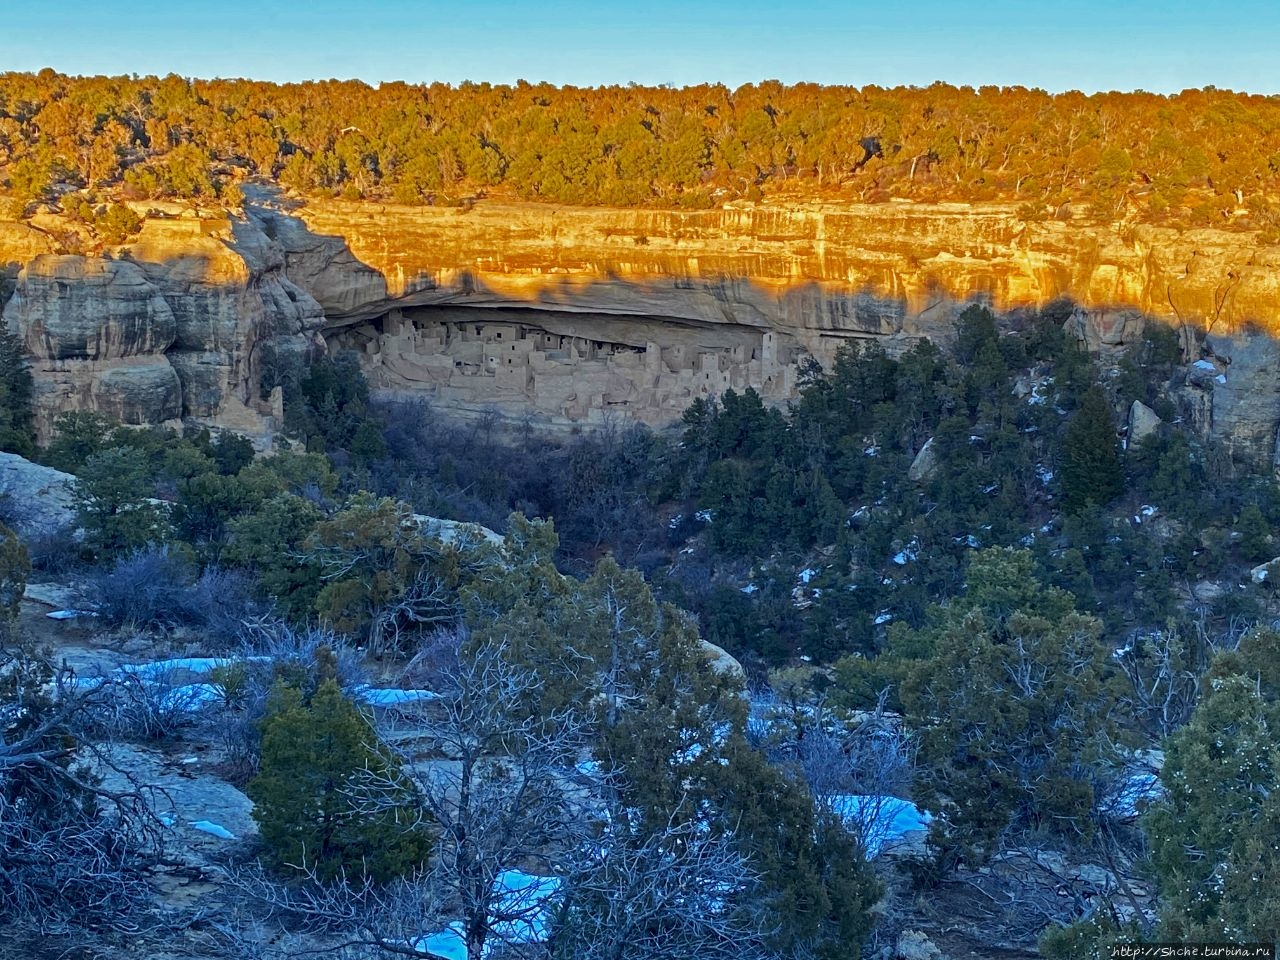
(186, 794)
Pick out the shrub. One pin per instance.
(315, 755)
(147, 588)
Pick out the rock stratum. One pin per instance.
(570, 316)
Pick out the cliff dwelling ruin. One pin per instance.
(567, 368)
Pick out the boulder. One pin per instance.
(38, 500)
(1106, 331)
(925, 463)
(1265, 572)
(1143, 421)
(450, 531)
(1207, 591)
(914, 945)
(722, 661)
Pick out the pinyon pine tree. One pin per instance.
(1091, 468)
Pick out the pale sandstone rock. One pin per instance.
(1208, 591)
(722, 661)
(1265, 572)
(1246, 394)
(643, 310)
(1106, 331)
(915, 945)
(83, 308)
(1143, 421)
(38, 499)
(925, 463)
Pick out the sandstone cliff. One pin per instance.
(572, 314)
(172, 325)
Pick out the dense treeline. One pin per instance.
(1201, 157)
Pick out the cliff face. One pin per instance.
(574, 314)
(809, 270)
(173, 325)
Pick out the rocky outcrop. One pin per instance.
(36, 500)
(1239, 391)
(97, 331)
(179, 323)
(925, 463)
(575, 315)
(1142, 423)
(815, 271)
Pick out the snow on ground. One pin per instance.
(449, 944)
(883, 822)
(1132, 795)
(192, 697)
(1204, 365)
(528, 900)
(521, 914)
(158, 670)
(807, 574)
(213, 829)
(393, 696)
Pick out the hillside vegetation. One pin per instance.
(1199, 157)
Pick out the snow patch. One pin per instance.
(883, 822)
(449, 944)
(213, 829)
(159, 669)
(1132, 795)
(527, 901)
(393, 696)
(192, 697)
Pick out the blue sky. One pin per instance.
(1087, 44)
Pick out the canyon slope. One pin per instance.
(571, 316)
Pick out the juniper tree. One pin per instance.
(314, 753)
(1214, 836)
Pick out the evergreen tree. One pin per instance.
(1007, 691)
(1092, 471)
(113, 502)
(17, 425)
(315, 755)
(1215, 835)
(15, 567)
